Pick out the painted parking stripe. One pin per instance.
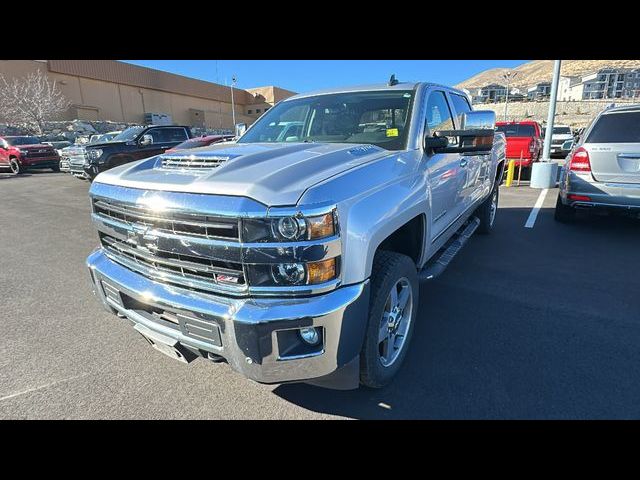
(531, 221)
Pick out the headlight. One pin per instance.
(94, 153)
(293, 274)
(289, 229)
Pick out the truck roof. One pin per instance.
(371, 87)
(523, 122)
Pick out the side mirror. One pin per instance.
(475, 135)
(567, 146)
(240, 129)
(146, 140)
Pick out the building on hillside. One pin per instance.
(603, 84)
(539, 91)
(120, 92)
(491, 93)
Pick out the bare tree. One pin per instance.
(30, 101)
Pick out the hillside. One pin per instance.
(536, 71)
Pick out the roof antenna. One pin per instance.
(393, 81)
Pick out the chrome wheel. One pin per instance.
(15, 167)
(494, 206)
(395, 321)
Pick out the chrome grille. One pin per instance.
(76, 157)
(184, 270)
(192, 162)
(192, 225)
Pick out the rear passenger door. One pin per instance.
(477, 166)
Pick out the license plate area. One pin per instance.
(167, 345)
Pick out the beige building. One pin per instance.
(121, 92)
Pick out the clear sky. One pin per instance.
(306, 75)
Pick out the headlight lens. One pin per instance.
(293, 274)
(289, 229)
(94, 153)
(288, 273)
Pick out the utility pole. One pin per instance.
(552, 111)
(507, 77)
(233, 107)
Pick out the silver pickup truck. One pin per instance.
(298, 257)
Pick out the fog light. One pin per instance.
(310, 335)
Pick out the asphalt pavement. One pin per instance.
(539, 322)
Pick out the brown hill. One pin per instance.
(536, 71)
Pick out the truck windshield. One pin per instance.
(128, 134)
(379, 118)
(561, 131)
(517, 130)
(22, 141)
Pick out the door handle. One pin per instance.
(463, 162)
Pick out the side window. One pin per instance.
(438, 116)
(460, 105)
(167, 135)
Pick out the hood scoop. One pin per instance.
(200, 161)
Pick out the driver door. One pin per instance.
(445, 174)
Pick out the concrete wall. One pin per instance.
(575, 114)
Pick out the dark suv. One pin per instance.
(134, 143)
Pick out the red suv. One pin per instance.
(524, 141)
(23, 153)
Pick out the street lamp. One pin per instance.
(507, 76)
(233, 108)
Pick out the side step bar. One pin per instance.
(438, 265)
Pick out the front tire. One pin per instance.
(15, 166)
(564, 213)
(56, 168)
(487, 211)
(393, 308)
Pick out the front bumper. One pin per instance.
(247, 332)
(40, 162)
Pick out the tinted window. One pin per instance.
(168, 135)
(561, 131)
(438, 113)
(517, 130)
(616, 128)
(460, 105)
(22, 140)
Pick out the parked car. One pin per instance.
(202, 141)
(132, 144)
(73, 158)
(524, 141)
(59, 145)
(602, 171)
(300, 260)
(21, 153)
(561, 133)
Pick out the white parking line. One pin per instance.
(531, 221)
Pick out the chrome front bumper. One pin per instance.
(250, 330)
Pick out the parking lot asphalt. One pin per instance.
(539, 322)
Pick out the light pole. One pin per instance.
(233, 107)
(552, 111)
(507, 76)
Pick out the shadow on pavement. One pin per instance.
(520, 334)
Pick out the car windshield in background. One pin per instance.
(517, 130)
(378, 118)
(22, 141)
(561, 131)
(128, 134)
(616, 128)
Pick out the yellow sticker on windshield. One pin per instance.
(392, 132)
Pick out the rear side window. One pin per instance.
(616, 128)
(460, 105)
(161, 135)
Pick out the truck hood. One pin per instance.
(271, 173)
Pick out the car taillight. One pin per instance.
(580, 161)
